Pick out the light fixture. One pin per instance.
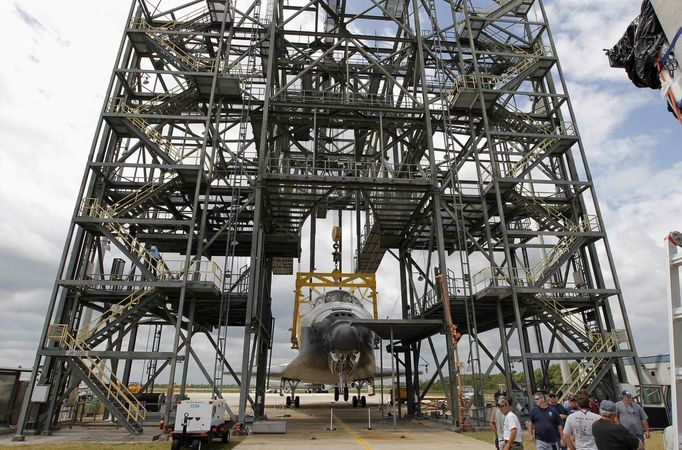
(145, 78)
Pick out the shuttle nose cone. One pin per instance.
(345, 337)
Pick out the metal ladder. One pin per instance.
(238, 177)
(151, 367)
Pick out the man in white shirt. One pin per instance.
(512, 427)
(578, 426)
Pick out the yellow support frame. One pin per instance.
(318, 280)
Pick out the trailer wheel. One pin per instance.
(225, 437)
(197, 444)
(175, 445)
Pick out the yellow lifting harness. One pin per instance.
(361, 285)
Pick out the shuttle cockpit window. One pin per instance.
(337, 296)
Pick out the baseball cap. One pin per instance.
(626, 393)
(607, 406)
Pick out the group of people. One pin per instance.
(553, 426)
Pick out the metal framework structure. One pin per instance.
(443, 127)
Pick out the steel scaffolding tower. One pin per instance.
(443, 127)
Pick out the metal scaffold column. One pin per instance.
(443, 129)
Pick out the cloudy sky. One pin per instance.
(58, 58)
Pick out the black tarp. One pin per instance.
(639, 47)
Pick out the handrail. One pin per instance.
(346, 167)
(553, 304)
(119, 105)
(158, 35)
(346, 98)
(492, 82)
(93, 207)
(112, 387)
(586, 368)
(87, 330)
(527, 276)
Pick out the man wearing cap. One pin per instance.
(632, 416)
(609, 434)
(559, 409)
(544, 424)
(556, 406)
(513, 439)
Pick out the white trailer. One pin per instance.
(198, 422)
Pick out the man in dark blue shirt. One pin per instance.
(544, 425)
(558, 407)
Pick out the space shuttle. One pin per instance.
(332, 351)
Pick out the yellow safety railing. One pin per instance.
(488, 81)
(554, 305)
(587, 223)
(541, 203)
(93, 207)
(585, 369)
(96, 369)
(201, 270)
(111, 314)
(164, 96)
(178, 156)
(157, 34)
(119, 105)
(527, 276)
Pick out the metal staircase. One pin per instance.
(548, 217)
(586, 369)
(556, 256)
(173, 53)
(516, 120)
(129, 310)
(516, 73)
(95, 373)
(564, 321)
(93, 207)
(138, 201)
